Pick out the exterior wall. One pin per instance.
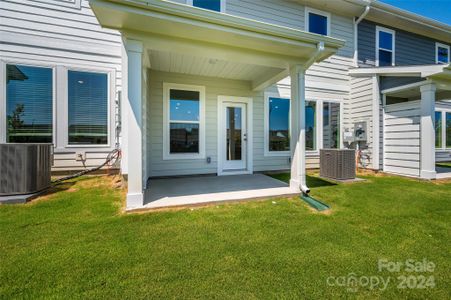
(387, 82)
(328, 80)
(361, 109)
(402, 138)
(61, 33)
(157, 166)
(405, 42)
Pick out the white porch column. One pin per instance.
(427, 136)
(297, 119)
(132, 106)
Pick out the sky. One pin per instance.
(439, 10)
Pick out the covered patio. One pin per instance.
(175, 45)
(200, 190)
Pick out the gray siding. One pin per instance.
(410, 48)
(388, 82)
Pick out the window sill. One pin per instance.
(168, 156)
(277, 153)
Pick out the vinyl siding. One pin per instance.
(361, 109)
(328, 80)
(214, 87)
(402, 138)
(388, 82)
(410, 48)
(60, 33)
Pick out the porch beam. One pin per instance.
(297, 119)
(268, 80)
(427, 159)
(132, 113)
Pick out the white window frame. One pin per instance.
(60, 103)
(437, 45)
(166, 121)
(267, 152)
(3, 63)
(393, 33)
(443, 111)
(110, 109)
(222, 5)
(318, 119)
(309, 10)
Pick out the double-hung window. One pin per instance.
(29, 104)
(215, 5)
(443, 129)
(317, 21)
(87, 108)
(441, 53)
(385, 47)
(184, 118)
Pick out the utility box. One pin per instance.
(338, 164)
(25, 168)
(360, 133)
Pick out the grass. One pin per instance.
(77, 244)
(445, 164)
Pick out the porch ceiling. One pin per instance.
(176, 28)
(211, 67)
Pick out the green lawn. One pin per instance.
(446, 164)
(77, 244)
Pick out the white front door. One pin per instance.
(233, 136)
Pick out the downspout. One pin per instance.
(302, 159)
(356, 23)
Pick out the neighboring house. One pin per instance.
(224, 86)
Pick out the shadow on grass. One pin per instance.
(312, 181)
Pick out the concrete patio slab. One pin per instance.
(198, 190)
(443, 173)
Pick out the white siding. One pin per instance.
(402, 138)
(360, 108)
(60, 33)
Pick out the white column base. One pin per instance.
(135, 200)
(428, 174)
(295, 184)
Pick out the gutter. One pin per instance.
(356, 23)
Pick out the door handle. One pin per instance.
(245, 137)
